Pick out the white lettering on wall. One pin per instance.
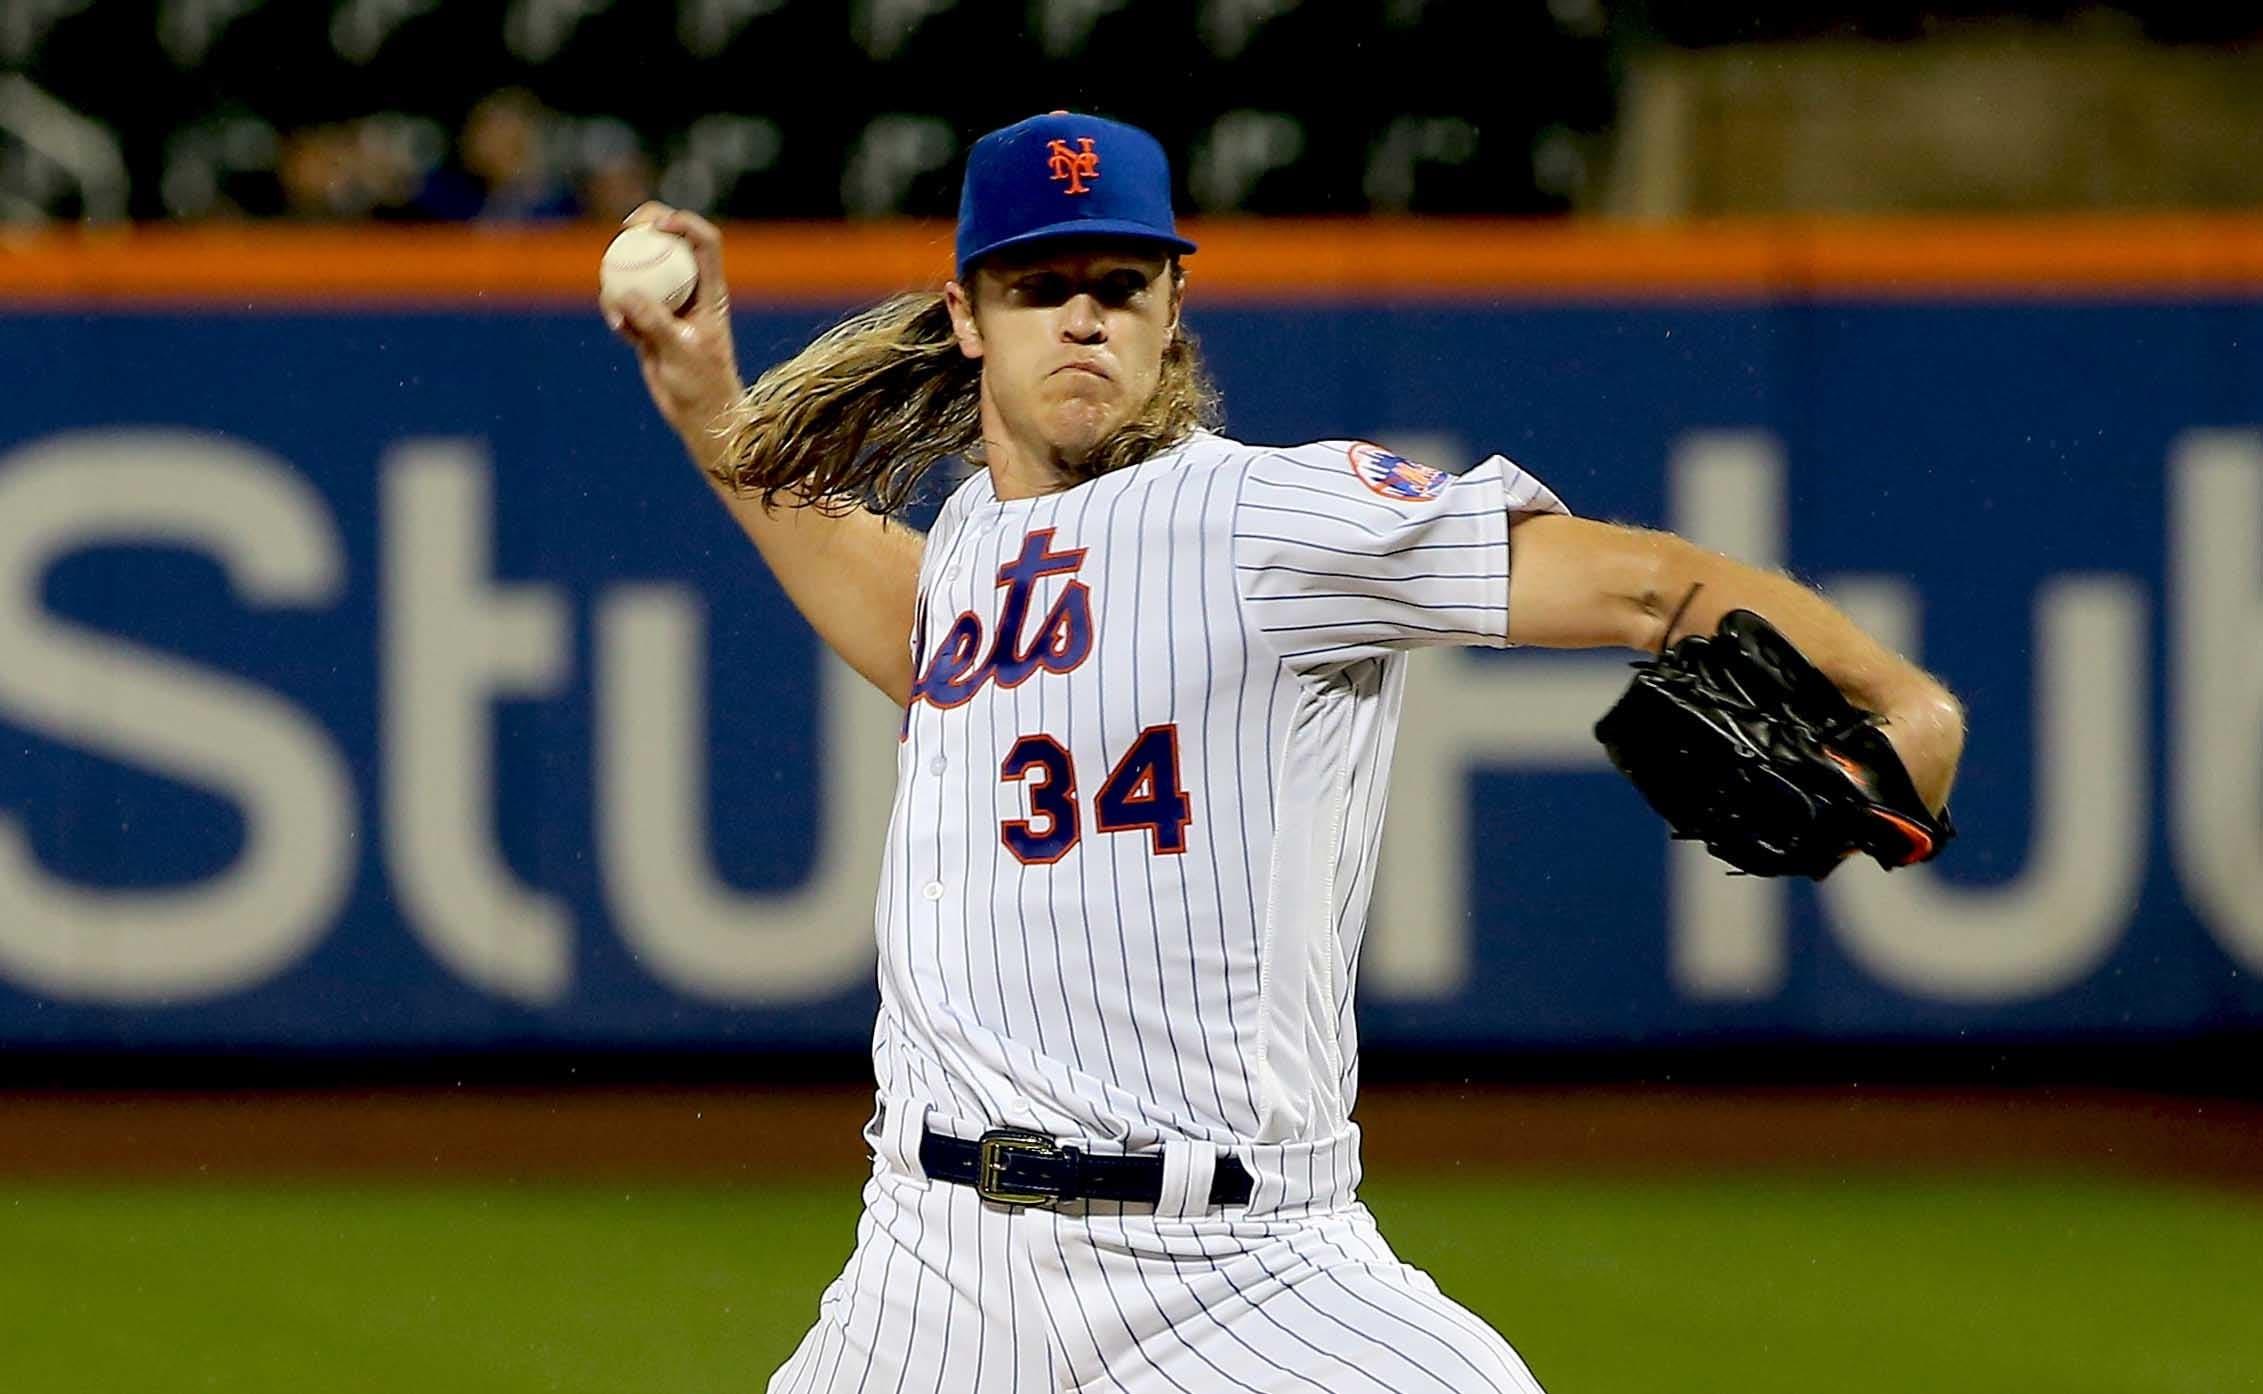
(1463, 714)
(277, 541)
(454, 642)
(689, 929)
(2050, 925)
(2216, 743)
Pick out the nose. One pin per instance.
(1082, 322)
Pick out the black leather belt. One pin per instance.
(1015, 1167)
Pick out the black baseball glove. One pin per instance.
(1740, 743)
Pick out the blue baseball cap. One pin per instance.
(1064, 175)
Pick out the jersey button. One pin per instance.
(933, 890)
(938, 765)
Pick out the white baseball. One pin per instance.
(643, 260)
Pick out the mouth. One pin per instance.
(1094, 369)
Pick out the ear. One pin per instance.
(960, 301)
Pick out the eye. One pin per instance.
(1121, 287)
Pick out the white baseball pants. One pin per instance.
(946, 1294)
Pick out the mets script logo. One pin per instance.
(1076, 166)
(1396, 476)
(965, 660)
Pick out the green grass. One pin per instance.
(1941, 1286)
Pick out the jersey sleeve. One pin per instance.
(1344, 551)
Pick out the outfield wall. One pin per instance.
(375, 675)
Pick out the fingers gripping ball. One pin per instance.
(1740, 743)
(645, 261)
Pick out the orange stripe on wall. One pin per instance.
(1269, 260)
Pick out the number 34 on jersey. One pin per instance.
(1143, 793)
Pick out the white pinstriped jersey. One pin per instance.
(1141, 783)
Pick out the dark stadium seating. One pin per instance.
(777, 108)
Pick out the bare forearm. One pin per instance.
(854, 576)
(1922, 719)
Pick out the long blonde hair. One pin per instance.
(858, 418)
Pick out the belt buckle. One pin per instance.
(992, 1149)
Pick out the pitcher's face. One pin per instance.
(1071, 338)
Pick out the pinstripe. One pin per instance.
(1209, 834)
(983, 833)
(1066, 1357)
(1364, 575)
(805, 1359)
(1133, 1344)
(1258, 1309)
(1388, 599)
(972, 825)
(1050, 878)
(919, 1285)
(1101, 628)
(1147, 864)
(1350, 928)
(885, 1066)
(980, 828)
(1331, 519)
(908, 798)
(1329, 1272)
(1338, 461)
(1312, 546)
(1019, 901)
(1115, 882)
(1209, 1313)
(1334, 496)
(868, 1228)
(1391, 1269)
(1351, 651)
(1054, 1327)
(1209, 727)
(951, 1289)
(1013, 1303)
(1021, 910)
(1438, 1308)
(880, 1308)
(1076, 1299)
(1426, 515)
(1172, 1325)
(1462, 1319)
(1397, 626)
(1267, 675)
(1297, 1291)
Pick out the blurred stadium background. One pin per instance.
(435, 864)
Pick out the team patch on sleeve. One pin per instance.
(1396, 476)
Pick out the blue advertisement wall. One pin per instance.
(388, 680)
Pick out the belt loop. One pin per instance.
(904, 1123)
(1188, 1171)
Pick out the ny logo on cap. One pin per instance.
(1075, 166)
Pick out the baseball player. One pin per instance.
(1150, 678)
